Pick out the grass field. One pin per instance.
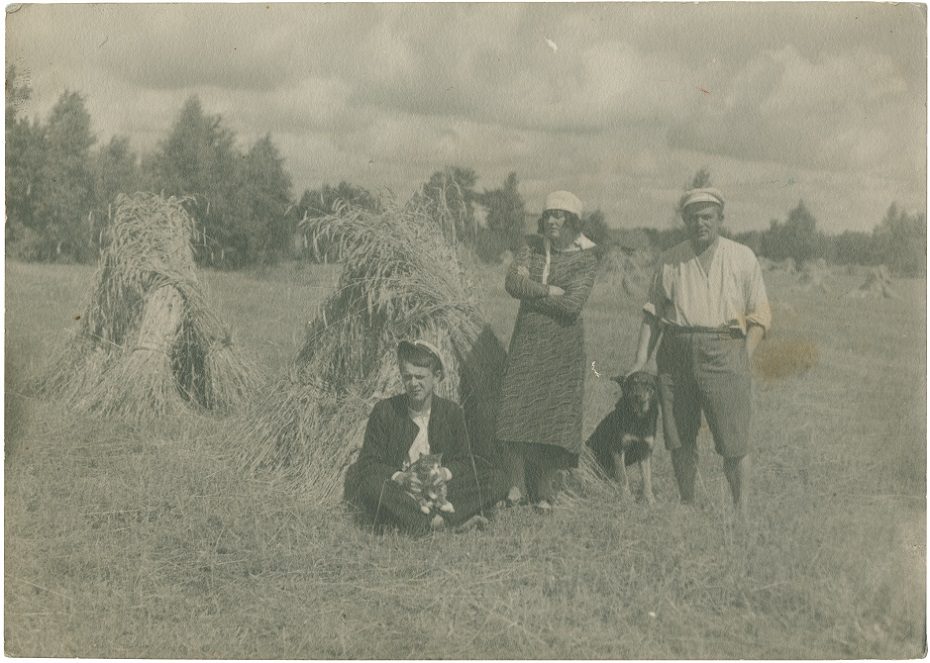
(127, 541)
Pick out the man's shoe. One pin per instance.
(477, 522)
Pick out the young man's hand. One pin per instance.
(408, 480)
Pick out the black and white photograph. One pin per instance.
(466, 331)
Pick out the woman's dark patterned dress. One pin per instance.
(543, 386)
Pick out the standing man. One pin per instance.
(708, 301)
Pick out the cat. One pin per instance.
(431, 495)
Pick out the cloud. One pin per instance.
(384, 94)
(854, 110)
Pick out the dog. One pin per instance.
(627, 435)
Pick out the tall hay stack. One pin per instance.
(148, 344)
(401, 279)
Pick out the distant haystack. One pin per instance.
(401, 279)
(148, 343)
(630, 270)
(787, 266)
(878, 284)
(814, 277)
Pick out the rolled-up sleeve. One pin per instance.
(758, 310)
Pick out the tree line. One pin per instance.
(60, 188)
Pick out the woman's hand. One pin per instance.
(555, 291)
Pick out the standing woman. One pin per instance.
(541, 395)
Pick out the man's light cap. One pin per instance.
(703, 195)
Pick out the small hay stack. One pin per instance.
(148, 343)
(401, 279)
(630, 270)
(813, 277)
(787, 266)
(878, 284)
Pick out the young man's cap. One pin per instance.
(428, 347)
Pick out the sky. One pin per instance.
(618, 103)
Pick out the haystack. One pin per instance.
(401, 279)
(787, 265)
(766, 264)
(814, 276)
(148, 343)
(878, 284)
(630, 270)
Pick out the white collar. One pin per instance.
(582, 242)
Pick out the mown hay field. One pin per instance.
(131, 540)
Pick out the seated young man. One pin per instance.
(405, 427)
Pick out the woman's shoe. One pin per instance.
(514, 498)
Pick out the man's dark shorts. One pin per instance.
(709, 372)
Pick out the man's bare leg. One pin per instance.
(737, 473)
(684, 461)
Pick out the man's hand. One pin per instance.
(753, 337)
(555, 291)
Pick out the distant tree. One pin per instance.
(901, 241)
(65, 197)
(595, 227)
(115, 171)
(265, 200)
(199, 159)
(25, 162)
(853, 248)
(451, 194)
(750, 238)
(701, 179)
(506, 212)
(18, 92)
(666, 238)
(315, 203)
(795, 238)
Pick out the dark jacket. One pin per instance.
(391, 431)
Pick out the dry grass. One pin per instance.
(779, 358)
(878, 284)
(130, 541)
(148, 343)
(401, 279)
